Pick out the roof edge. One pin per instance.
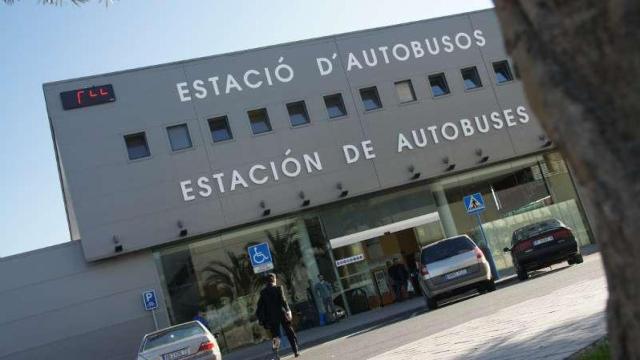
(232, 53)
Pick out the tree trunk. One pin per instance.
(579, 62)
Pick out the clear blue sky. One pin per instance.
(44, 43)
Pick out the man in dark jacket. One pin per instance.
(399, 277)
(273, 311)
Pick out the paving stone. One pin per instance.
(553, 326)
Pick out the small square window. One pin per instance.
(335, 106)
(370, 98)
(298, 113)
(137, 146)
(259, 120)
(471, 78)
(503, 72)
(405, 92)
(179, 137)
(220, 130)
(439, 86)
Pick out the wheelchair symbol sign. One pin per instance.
(260, 257)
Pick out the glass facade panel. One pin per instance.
(215, 275)
(516, 194)
(375, 211)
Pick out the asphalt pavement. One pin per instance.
(555, 313)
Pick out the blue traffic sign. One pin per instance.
(474, 203)
(260, 256)
(149, 299)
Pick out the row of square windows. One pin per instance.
(180, 139)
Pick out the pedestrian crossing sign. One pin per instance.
(474, 203)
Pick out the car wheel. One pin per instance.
(432, 303)
(522, 275)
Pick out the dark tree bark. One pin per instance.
(579, 62)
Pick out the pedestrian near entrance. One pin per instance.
(201, 316)
(324, 290)
(274, 312)
(399, 277)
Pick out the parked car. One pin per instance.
(190, 340)
(541, 245)
(453, 266)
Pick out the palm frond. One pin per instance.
(60, 2)
(235, 274)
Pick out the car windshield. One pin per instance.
(445, 249)
(532, 230)
(172, 335)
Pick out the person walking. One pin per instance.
(399, 277)
(324, 290)
(273, 311)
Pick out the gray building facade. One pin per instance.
(59, 306)
(341, 152)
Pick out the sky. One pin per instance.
(40, 44)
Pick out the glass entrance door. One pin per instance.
(363, 263)
(353, 270)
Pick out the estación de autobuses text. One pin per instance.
(293, 165)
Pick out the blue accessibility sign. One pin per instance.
(474, 203)
(149, 299)
(260, 256)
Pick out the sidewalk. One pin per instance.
(317, 335)
(371, 319)
(551, 327)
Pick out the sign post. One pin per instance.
(260, 257)
(151, 304)
(474, 204)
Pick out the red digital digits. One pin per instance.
(79, 96)
(93, 93)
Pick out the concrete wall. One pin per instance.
(141, 201)
(55, 305)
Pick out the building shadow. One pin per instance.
(559, 342)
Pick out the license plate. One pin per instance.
(456, 274)
(542, 241)
(176, 354)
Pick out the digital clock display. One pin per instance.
(87, 97)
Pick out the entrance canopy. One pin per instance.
(382, 230)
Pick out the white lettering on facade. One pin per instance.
(293, 166)
(186, 190)
(282, 73)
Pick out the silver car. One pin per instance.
(185, 341)
(453, 266)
